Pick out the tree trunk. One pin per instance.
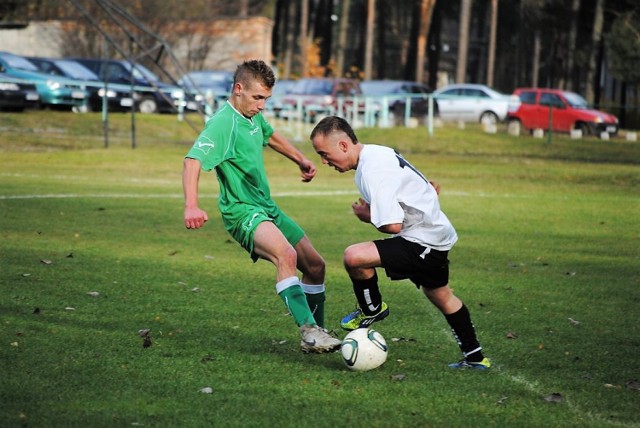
(303, 40)
(342, 37)
(463, 41)
(492, 42)
(368, 52)
(290, 45)
(537, 49)
(426, 9)
(596, 36)
(571, 48)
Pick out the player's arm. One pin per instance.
(281, 145)
(362, 210)
(194, 217)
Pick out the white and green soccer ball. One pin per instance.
(364, 349)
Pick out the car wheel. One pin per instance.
(488, 118)
(148, 105)
(581, 126)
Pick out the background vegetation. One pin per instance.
(92, 250)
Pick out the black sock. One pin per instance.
(465, 334)
(368, 294)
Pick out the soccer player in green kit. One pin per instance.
(232, 143)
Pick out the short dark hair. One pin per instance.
(254, 69)
(333, 123)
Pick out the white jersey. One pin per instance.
(399, 193)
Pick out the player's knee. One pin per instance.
(351, 258)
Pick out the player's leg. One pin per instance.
(312, 266)
(457, 315)
(269, 243)
(360, 261)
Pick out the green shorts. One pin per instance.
(242, 223)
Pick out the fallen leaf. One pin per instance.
(26, 274)
(633, 385)
(14, 344)
(46, 262)
(397, 377)
(173, 253)
(208, 257)
(574, 322)
(555, 397)
(195, 290)
(206, 390)
(512, 335)
(145, 333)
(570, 273)
(501, 400)
(402, 339)
(93, 293)
(69, 308)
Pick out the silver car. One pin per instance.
(471, 103)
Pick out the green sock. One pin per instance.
(294, 298)
(315, 298)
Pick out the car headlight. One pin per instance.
(598, 119)
(9, 87)
(109, 93)
(177, 94)
(53, 84)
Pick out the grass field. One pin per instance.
(92, 250)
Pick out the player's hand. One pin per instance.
(194, 217)
(308, 170)
(435, 186)
(362, 210)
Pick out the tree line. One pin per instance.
(504, 43)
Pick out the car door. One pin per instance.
(453, 105)
(529, 112)
(558, 119)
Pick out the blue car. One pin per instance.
(17, 94)
(54, 92)
(117, 97)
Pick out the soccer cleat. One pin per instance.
(357, 319)
(317, 340)
(475, 365)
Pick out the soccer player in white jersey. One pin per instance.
(398, 200)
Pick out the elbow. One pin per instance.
(392, 229)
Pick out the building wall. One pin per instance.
(229, 41)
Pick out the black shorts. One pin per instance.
(402, 259)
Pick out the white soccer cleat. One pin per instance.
(317, 340)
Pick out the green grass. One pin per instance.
(549, 233)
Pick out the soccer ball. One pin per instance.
(364, 349)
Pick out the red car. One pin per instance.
(530, 107)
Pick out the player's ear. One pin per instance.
(343, 145)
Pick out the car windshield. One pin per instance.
(75, 70)
(575, 100)
(19, 63)
(379, 88)
(142, 72)
(312, 87)
(203, 78)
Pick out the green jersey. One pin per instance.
(233, 145)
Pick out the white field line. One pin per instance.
(161, 196)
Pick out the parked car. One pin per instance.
(54, 92)
(210, 87)
(530, 107)
(323, 95)
(17, 94)
(154, 95)
(469, 102)
(275, 104)
(397, 93)
(118, 96)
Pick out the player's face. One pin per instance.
(334, 150)
(250, 99)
